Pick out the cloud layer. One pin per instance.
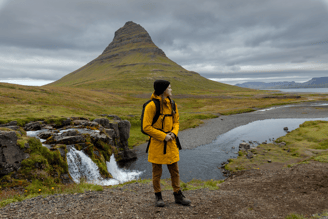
(49, 39)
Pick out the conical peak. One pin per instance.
(129, 33)
(130, 28)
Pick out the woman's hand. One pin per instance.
(172, 135)
(168, 137)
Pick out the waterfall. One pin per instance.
(120, 174)
(81, 166)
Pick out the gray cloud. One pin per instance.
(49, 39)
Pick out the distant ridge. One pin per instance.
(321, 82)
(132, 62)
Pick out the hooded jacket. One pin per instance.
(157, 136)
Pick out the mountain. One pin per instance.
(132, 62)
(313, 83)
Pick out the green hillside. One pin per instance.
(132, 62)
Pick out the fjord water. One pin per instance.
(303, 90)
(204, 161)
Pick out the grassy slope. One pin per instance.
(26, 103)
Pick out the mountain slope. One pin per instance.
(132, 62)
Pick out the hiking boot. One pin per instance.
(180, 198)
(159, 200)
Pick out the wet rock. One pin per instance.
(32, 126)
(264, 142)
(249, 155)
(129, 155)
(282, 144)
(124, 129)
(244, 146)
(66, 139)
(11, 155)
(114, 125)
(66, 179)
(48, 127)
(62, 152)
(95, 137)
(45, 135)
(102, 121)
(70, 133)
(110, 133)
(66, 122)
(286, 128)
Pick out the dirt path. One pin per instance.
(264, 193)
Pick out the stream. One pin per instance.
(204, 161)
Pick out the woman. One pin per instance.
(163, 148)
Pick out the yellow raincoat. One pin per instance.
(171, 124)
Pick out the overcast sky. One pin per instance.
(232, 40)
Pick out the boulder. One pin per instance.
(124, 129)
(32, 126)
(70, 133)
(95, 137)
(244, 146)
(249, 155)
(11, 123)
(129, 155)
(110, 133)
(286, 128)
(10, 153)
(102, 121)
(114, 125)
(45, 135)
(58, 139)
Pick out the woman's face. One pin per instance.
(168, 91)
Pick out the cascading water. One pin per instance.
(81, 166)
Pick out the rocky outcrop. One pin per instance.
(11, 155)
(114, 133)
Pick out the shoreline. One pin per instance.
(212, 128)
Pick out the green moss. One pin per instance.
(321, 158)
(21, 143)
(295, 216)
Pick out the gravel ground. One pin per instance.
(265, 193)
(212, 128)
